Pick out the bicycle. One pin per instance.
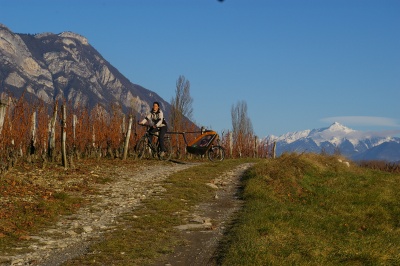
(148, 148)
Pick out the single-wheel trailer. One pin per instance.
(204, 144)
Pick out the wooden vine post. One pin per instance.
(3, 109)
(274, 150)
(33, 134)
(255, 153)
(64, 136)
(52, 133)
(74, 122)
(230, 145)
(127, 137)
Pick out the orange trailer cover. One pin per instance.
(202, 143)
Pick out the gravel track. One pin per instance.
(72, 235)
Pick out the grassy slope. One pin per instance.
(312, 209)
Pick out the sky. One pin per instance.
(296, 64)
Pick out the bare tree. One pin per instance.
(181, 104)
(181, 111)
(242, 127)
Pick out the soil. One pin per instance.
(73, 234)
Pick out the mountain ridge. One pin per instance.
(337, 138)
(65, 66)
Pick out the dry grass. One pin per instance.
(32, 197)
(313, 210)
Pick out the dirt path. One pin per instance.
(205, 227)
(73, 234)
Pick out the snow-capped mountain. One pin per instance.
(354, 144)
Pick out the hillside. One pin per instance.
(52, 67)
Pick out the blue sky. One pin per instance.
(297, 64)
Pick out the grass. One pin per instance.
(311, 209)
(303, 209)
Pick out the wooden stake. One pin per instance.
(127, 137)
(64, 136)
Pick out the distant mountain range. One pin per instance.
(337, 138)
(52, 66)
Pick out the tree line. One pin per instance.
(36, 132)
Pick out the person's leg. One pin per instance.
(153, 131)
(163, 130)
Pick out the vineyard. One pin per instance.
(35, 132)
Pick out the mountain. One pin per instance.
(387, 151)
(355, 145)
(65, 66)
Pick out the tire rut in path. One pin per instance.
(205, 227)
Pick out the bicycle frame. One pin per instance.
(150, 141)
(146, 142)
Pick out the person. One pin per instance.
(158, 124)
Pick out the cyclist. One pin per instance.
(156, 119)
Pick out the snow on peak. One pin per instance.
(336, 126)
(335, 133)
(291, 136)
(351, 142)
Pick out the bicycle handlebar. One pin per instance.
(144, 125)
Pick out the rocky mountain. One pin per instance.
(65, 66)
(355, 145)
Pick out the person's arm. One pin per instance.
(144, 120)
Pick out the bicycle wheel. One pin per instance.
(142, 149)
(216, 153)
(168, 150)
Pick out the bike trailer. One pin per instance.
(202, 143)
